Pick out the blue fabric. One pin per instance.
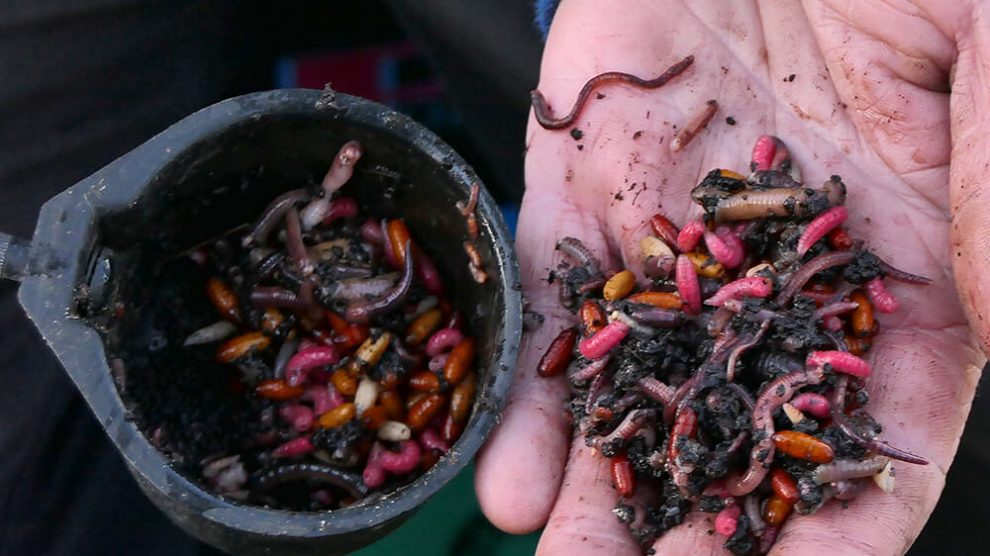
(544, 14)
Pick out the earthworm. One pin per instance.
(307, 360)
(294, 241)
(834, 309)
(883, 301)
(300, 416)
(820, 227)
(756, 523)
(730, 367)
(274, 296)
(630, 424)
(776, 393)
(576, 250)
(752, 286)
(579, 374)
(687, 285)
(272, 215)
(822, 262)
(361, 312)
(358, 289)
(694, 126)
(443, 340)
(813, 404)
(387, 246)
(844, 469)
(685, 426)
(341, 170)
(310, 472)
(840, 418)
(293, 448)
(544, 116)
(690, 235)
(604, 340)
(656, 390)
(779, 201)
(744, 396)
(896, 274)
(341, 207)
(840, 361)
(215, 332)
(686, 390)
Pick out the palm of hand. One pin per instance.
(868, 101)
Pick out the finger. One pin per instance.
(519, 471)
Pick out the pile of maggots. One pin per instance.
(733, 382)
(339, 369)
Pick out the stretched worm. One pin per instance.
(578, 373)
(779, 201)
(656, 390)
(730, 367)
(901, 276)
(834, 309)
(273, 296)
(840, 418)
(362, 311)
(273, 213)
(630, 425)
(822, 262)
(294, 241)
(544, 115)
(777, 392)
(310, 471)
(695, 125)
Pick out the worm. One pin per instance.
(687, 133)
(779, 201)
(834, 309)
(544, 115)
(339, 173)
(578, 374)
(730, 367)
(901, 276)
(777, 392)
(822, 262)
(272, 214)
(362, 311)
(313, 472)
(294, 241)
(752, 505)
(604, 340)
(656, 390)
(840, 418)
(630, 425)
(840, 361)
(274, 296)
(820, 227)
(752, 286)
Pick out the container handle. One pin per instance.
(14, 253)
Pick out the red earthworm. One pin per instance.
(717, 489)
(310, 472)
(776, 393)
(730, 367)
(685, 426)
(324, 397)
(883, 301)
(845, 469)
(211, 333)
(359, 289)
(300, 416)
(813, 404)
(443, 340)
(576, 250)
(627, 401)
(896, 274)
(727, 520)
(594, 389)
(690, 235)
(822, 262)
(720, 319)
(438, 362)
(688, 386)
(544, 116)
(293, 448)
(430, 440)
(361, 312)
(294, 241)
(311, 308)
(272, 215)
(820, 227)
(604, 340)
(342, 207)
(769, 538)
(427, 272)
(777, 201)
(834, 309)
(744, 396)
(840, 418)
(387, 246)
(305, 361)
(722, 251)
(371, 232)
(687, 133)
(752, 506)
(737, 442)
(288, 349)
(630, 425)
(664, 229)
(763, 152)
(341, 170)
(656, 390)
(274, 296)
(751, 286)
(579, 374)
(687, 285)
(840, 361)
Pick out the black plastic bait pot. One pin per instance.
(98, 244)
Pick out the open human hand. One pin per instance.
(886, 94)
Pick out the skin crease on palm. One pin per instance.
(871, 102)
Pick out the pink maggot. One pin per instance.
(841, 361)
(883, 301)
(687, 285)
(725, 248)
(299, 415)
(820, 227)
(308, 359)
(752, 286)
(403, 461)
(430, 440)
(323, 396)
(442, 341)
(342, 207)
(427, 272)
(603, 341)
(690, 235)
(763, 152)
(727, 520)
(293, 448)
(813, 404)
(437, 362)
